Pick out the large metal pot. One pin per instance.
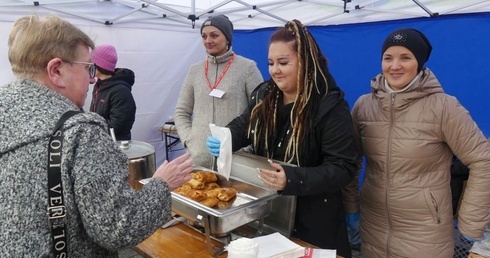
(141, 156)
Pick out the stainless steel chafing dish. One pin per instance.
(253, 204)
(281, 217)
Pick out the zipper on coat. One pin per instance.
(388, 169)
(436, 207)
(95, 99)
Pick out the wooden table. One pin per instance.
(183, 242)
(176, 241)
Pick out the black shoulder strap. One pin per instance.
(56, 204)
(65, 117)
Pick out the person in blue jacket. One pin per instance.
(111, 96)
(300, 117)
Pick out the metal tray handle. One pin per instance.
(137, 160)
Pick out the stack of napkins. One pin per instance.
(319, 253)
(276, 245)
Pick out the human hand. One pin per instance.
(476, 240)
(274, 179)
(175, 172)
(213, 145)
(352, 220)
(475, 255)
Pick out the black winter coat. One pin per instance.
(328, 163)
(112, 99)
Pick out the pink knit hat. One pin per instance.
(105, 57)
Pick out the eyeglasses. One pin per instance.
(90, 67)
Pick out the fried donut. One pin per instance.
(186, 186)
(227, 194)
(210, 186)
(209, 202)
(205, 176)
(213, 193)
(224, 205)
(197, 195)
(195, 184)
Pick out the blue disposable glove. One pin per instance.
(213, 145)
(352, 220)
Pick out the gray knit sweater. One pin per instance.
(104, 212)
(195, 109)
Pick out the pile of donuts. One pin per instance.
(203, 188)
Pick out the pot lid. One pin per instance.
(136, 149)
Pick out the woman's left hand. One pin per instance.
(274, 179)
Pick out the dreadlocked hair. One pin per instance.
(311, 89)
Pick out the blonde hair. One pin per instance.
(34, 41)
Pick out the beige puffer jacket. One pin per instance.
(408, 140)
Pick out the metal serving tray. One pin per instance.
(281, 217)
(251, 203)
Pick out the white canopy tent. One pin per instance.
(159, 39)
(245, 14)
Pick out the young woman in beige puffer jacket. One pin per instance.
(409, 129)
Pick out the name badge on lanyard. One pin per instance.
(216, 93)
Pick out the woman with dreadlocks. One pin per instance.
(300, 117)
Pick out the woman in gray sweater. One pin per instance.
(215, 90)
(51, 59)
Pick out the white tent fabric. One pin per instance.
(245, 14)
(159, 39)
(159, 58)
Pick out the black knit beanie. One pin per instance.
(222, 23)
(413, 40)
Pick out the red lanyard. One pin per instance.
(216, 83)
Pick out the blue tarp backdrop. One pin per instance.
(460, 57)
